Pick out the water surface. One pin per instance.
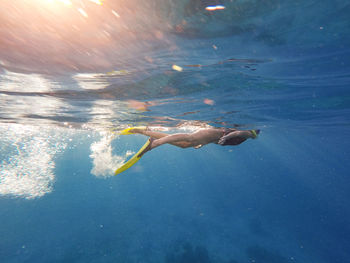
(72, 73)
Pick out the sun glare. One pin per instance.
(66, 2)
(96, 2)
(56, 5)
(69, 2)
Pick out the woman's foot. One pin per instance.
(148, 148)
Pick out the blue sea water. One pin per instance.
(73, 73)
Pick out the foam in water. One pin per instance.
(104, 162)
(28, 172)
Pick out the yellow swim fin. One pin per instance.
(132, 160)
(127, 130)
(255, 133)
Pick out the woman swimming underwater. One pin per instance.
(197, 139)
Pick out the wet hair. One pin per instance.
(234, 141)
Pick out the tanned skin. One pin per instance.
(196, 139)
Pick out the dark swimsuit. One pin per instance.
(232, 141)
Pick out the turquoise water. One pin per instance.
(72, 74)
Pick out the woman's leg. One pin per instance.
(153, 134)
(185, 140)
(182, 140)
(159, 135)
